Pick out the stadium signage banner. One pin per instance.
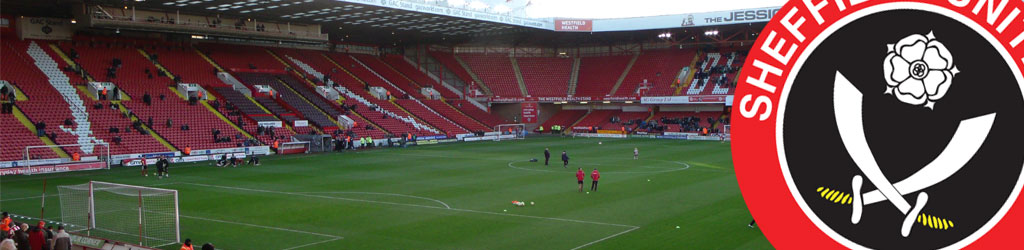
(44, 28)
(259, 150)
(453, 12)
(53, 168)
(708, 99)
(500, 99)
(301, 123)
(742, 16)
(487, 138)
(86, 241)
(596, 135)
(574, 25)
(817, 158)
(530, 112)
(677, 137)
(272, 124)
(432, 137)
(11, 164)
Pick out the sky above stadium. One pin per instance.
(607, 8)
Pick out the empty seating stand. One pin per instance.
(495, 71)
(546, 76)
(597, 118)
(291, 98)
(456, 116)
(598, 74)
(658, 67)
(449, 61)
(434, 119)
(240, 57)
(399, 63)
(491, 120)
(186, 62)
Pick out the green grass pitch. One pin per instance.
(449, 196)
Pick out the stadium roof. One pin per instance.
(403, 22)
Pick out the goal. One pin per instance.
(121, 212)
(510, 131)
(726, 133)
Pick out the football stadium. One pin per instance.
(373, 124)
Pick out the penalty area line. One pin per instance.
(605, 238)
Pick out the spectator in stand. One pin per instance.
(48, 242)
(5, 225)
(147, 99)
(36, 237)
(21, 237)
(187, 245)
(40, 129)
(7, 244)
(62, 240)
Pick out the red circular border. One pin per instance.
(755, 154)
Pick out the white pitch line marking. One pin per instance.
(389, 194)
(311, 244)
(511, 165)
(411, 205)
(605, 238)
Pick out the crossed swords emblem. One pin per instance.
(966, 141)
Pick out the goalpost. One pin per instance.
(144, 215)
(517, 131)
(726, 133)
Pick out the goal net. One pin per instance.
(121, 212)
(510, 131)
(726, 133)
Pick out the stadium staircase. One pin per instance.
(625, 73)
(688, 80)
(574, 78)
(519, 76)
(66, 94)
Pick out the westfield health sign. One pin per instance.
(574, 25)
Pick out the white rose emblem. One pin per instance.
(919, 70)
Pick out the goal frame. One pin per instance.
(91, 203)
(502, 127)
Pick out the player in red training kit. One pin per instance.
(594, 176)
(579, 178)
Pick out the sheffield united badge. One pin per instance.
(885, 124)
